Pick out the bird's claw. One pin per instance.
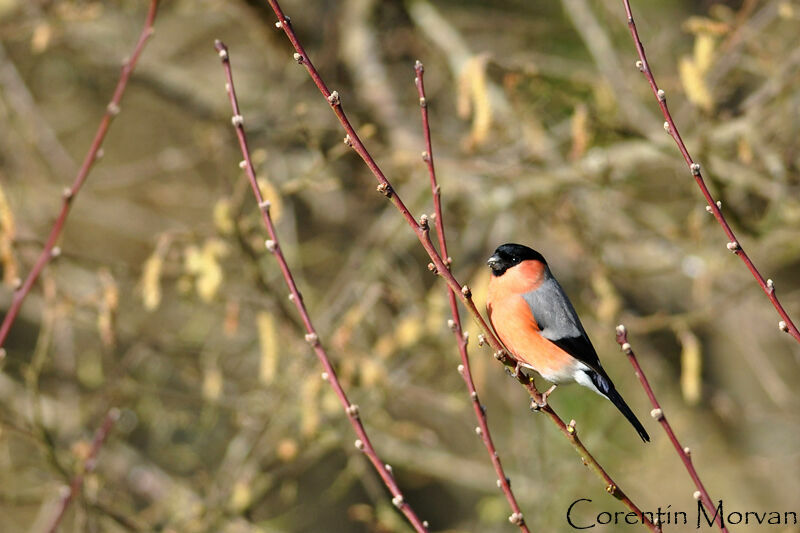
(542, 403)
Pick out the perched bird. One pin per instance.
(533, 317)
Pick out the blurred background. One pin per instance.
(165, 305)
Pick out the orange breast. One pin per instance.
(513, 322)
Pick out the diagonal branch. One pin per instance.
(438, 265)
(455, 324)
(95, 151)
(89, 463)
(713, 206)
(685, 453)
(362, 442)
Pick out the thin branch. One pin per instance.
(362, 443)
(89, 463)
(684, 452)
(438, 265)
(95, 152)
(455, 324)
(713, 206)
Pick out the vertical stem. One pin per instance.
(658, 414)
(89, 463)
(50, 250)
(713, 207)
(362, 443)
(455, 324)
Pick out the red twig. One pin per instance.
(95, 151)
(658, 414)
(88, 466)
(713, 206)
(455, 324)
(362, 443)
(438, 265)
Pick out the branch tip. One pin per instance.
(451, 323)
(481, 339)
(243, 164)
(297, 57)
(657, 413)
(473, 395)
(478, 431)
(423, 102)
(571, 429)
(237, 121)
(666, 127)
(783, 327)
(349, 142)
(770, 285)
(661, 95)
(687, 451)
(270, 245)
(55, 252)
(640, 65)
(466, 291)
(324, 376)
(460, 369)
(264, 205)
(733, 246)
(352, 410)
(388, 468)
(398, 500)
(312, 339)
(222, 51)
(695, 168)
(626, 347)
(359, 444)
(99, 155)
(113, 109)
(67, 193)
(419, 67)
(697, 495)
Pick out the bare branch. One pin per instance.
(658, 414)
(89, 463)
(503, 482)
(714, 207)
(329, 374)
(68, 196)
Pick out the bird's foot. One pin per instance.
(542, 403)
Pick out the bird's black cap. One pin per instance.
(510, 254)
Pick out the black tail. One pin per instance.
(604, 385)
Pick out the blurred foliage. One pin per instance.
(165, 304)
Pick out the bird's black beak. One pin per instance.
(494, 262)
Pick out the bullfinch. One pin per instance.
(533, 317)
